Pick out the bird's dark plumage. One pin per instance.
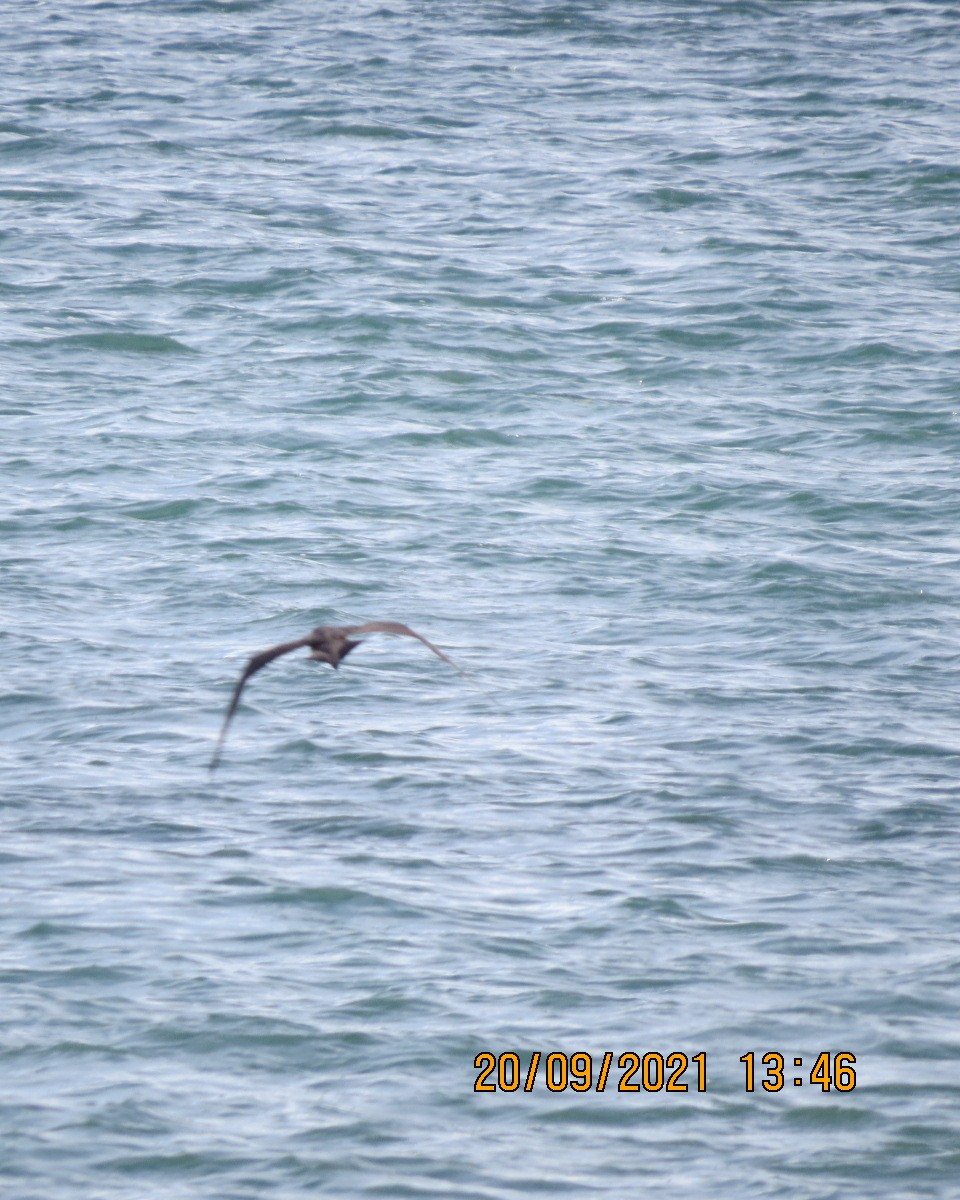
(328, 643)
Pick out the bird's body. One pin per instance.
(327, 643)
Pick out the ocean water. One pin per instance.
(614, 347)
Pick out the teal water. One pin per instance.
(614, 347)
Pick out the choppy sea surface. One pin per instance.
(614, 347)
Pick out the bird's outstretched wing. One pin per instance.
(402, 631)
(252, 667)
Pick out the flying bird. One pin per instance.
(328, 643)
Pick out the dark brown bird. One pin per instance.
(328, 643)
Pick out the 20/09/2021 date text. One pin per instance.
(656, 1072)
